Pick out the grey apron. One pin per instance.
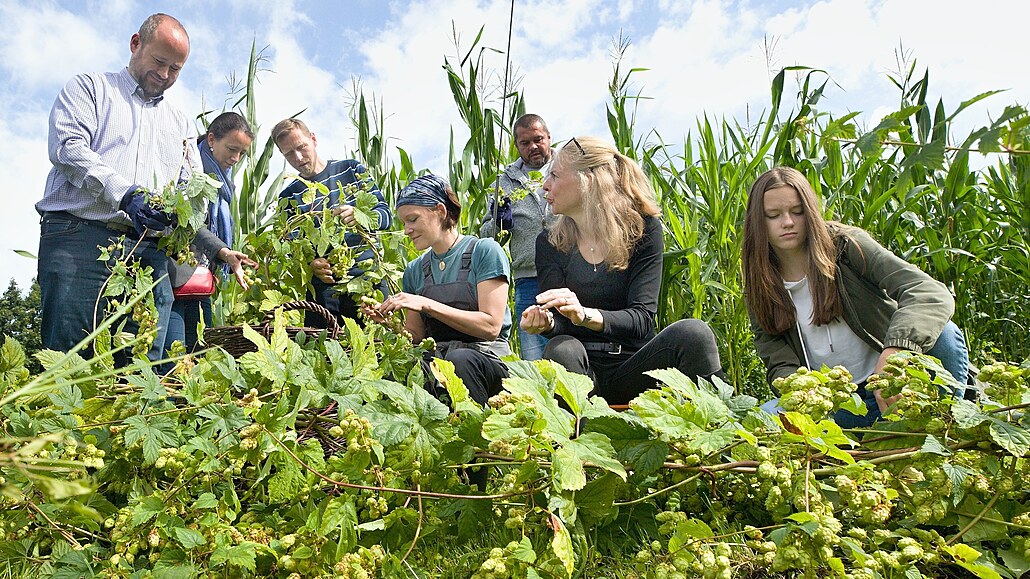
(457, 294)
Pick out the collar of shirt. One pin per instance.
(126, 79)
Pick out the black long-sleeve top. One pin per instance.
(627, 299)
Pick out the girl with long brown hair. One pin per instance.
(823, 293)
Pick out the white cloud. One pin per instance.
(43, 47)
(703, 56)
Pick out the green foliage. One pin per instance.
(327, 467)
(19, 319)
(285, 249)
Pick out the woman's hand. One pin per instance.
(565, 301)
(405, 301)
(372, 312)
(236, 260)
(322, 269)
(885, 403)
(537, 320)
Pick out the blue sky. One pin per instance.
(703, 56)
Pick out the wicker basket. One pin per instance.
(232, 340)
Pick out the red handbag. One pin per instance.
(200, 285)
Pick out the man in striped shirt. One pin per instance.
(111, 136)
(300, 147)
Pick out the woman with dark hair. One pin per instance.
(600, 271)
(457, 291)
(227, 139)
(823, 293)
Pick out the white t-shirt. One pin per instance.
(833, 344)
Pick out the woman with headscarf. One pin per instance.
(600, 271)
(457, 291)
(224, 144)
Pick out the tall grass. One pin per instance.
(909, 181)
(902, 181)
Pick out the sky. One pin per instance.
(702, 57)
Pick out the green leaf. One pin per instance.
(12, 361)
(363, 354)
(340, 513)
(205, 501)
(188, 538)
(266, 364)
(567, 469)
(934, 446)
(1012, 438)
(634, 443)
(708, 442)
(967, 414)
(524, 551)
(958, 475)
(965, 556)
(156, 432)
(443, 370)
(149, 384)
(561, 544)
(739, 405)
(558, 422)
(387, 427)
(592, 447)
(286, 483)
(595, 499)
(572, 388)
(57, 489)
(243, 555)
(708, 406)
(670, 417)
(418, 412)
(147, 509)
(222, 418)
(1016, 561)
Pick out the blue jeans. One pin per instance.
(531, 346)
(70, 278)
(182, 324)
(951, 350)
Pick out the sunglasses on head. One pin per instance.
(573, 141)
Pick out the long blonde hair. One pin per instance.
(616, 197)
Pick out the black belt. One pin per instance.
(606, 347)
(112, 225)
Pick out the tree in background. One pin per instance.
(19, 319)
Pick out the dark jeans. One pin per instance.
(531, 346)
(182, 324)
(688, 345)
(70, 278)
(481, 372)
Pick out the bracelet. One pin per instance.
(586, 318)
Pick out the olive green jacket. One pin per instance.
(887, 302)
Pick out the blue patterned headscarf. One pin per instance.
(425, 191)
(219, 212)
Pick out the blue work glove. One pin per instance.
(143, 216)
(505, 219)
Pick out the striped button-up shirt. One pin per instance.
(105, 137)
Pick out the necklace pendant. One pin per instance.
(443, 265)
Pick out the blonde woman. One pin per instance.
(600, 271)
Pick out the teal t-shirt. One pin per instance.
(488, 262)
